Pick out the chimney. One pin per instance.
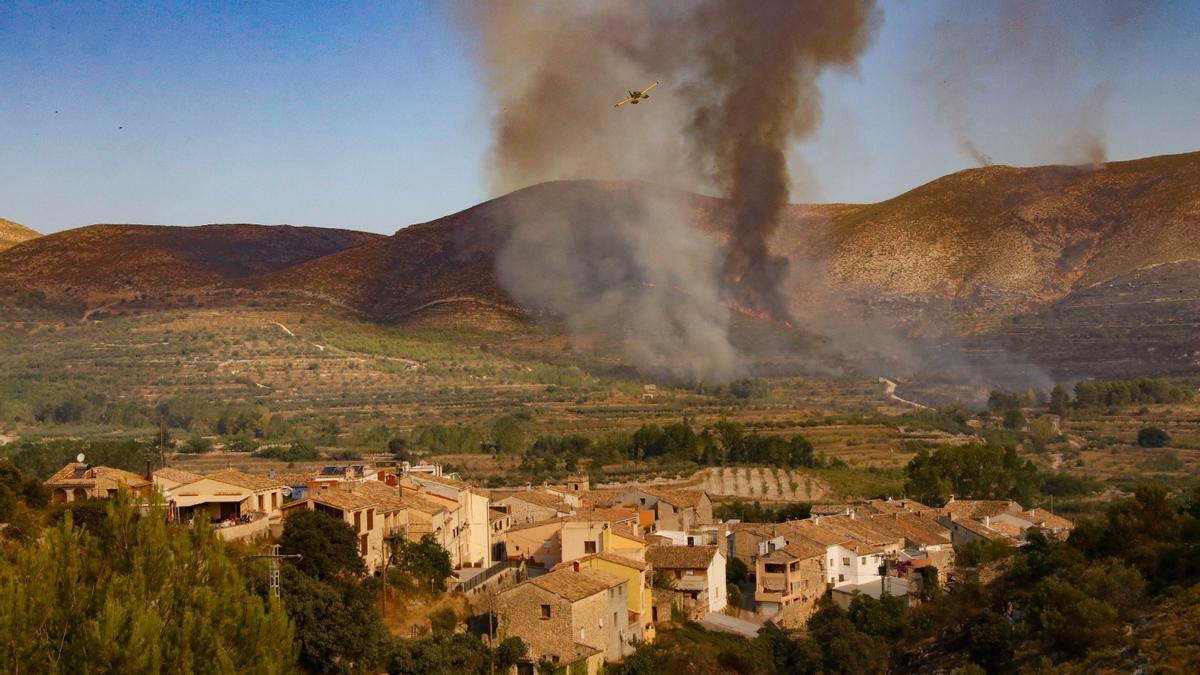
(987, 521)
(575, 565)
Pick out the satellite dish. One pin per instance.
(79, 458)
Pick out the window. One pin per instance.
(589, 547)
(370, 519)
(274, 500)
(654, 614)
(614, 618)
(262, 502)
(841, 577)
(846, 562)
(358, 521)
(362, 544)
(545, 611)
(678, 574)
(864, 561)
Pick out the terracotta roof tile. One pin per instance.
(575, 586)
(235, 477)
(664, 556)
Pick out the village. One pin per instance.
(584, 574)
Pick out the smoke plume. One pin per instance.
(1042, 66)
(740, 87)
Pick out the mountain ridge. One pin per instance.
(964, 254)
(12, 234)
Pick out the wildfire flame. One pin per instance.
(734, 307)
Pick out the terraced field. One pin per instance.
(764, 484)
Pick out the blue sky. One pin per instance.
(374, 115)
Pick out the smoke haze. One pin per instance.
(1044, 63)
(740, 86)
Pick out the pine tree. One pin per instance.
(148, 599)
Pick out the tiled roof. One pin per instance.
(341, 499)
(540, 498)
(610, 557)
(177, 475)
(800, 550)
(628, 531)
(683, 498)
(1043, 518)
(829, 509)
(442, 480)
(74, 474)
(979, 508)
(978, 528)
(538, 523)
(575, 586)
(235, 477)
(386, 498)
(663, 556)
(494, 515)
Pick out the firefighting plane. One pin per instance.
(637, 96)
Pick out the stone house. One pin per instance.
(789, 581)
(664, 509)
(698, 573)
(78, 481)
(637, 573)
(531, 506)
(240, 506)
(569, 616)
(473, 529)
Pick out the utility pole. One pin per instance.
(273, 576)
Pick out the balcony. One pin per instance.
(256, 526)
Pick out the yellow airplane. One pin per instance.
(636, 96)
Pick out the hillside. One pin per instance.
(12, 234)
(101, 262)
(994, 241)
(1047, 261)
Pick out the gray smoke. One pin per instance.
(1045, 63)
(739, 88)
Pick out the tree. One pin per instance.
(663, 581)
(736, 571)
(882, 618)
(398, 447)
(508, 435)
(337, 622)
(1153, 437)
(1060, 401)
(327, 545)
(425, 560)
(155, 599)
(991, 642)
(1070, 620)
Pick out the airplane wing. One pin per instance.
(627, 100)
(652, 85)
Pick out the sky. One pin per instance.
(375, 115)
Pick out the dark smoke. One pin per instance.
(740, 87)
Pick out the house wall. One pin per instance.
(478, 535)
(540, 543)
(576, 535)
(524, 512)
(519, 612)
(601, 621)
(717, 596)
(791, 596)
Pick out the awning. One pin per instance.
(192, 500)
